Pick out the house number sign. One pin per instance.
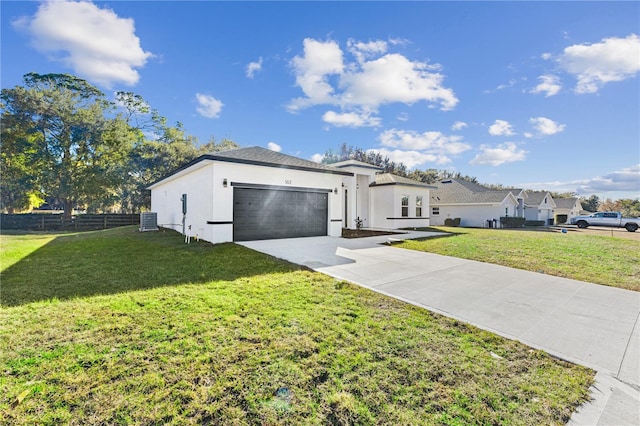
(287, 181)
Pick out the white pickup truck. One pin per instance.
(613, 219)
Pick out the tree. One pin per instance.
(347, 152)
(628, 207)
(590, 204)
(77, 151)
(213, 146)
(18, 168)
(158, 150)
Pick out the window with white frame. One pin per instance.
(418, 205)
(405, 206)
(435, 211)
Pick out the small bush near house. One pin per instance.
(534, 223)
(512, 222)
(561, 218)
(452, 222)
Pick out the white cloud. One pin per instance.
(209, 106)
(459, 125)
(96, 43)
(373, 78)
(626, 180)
(320, 60)
(317, 158)
(501, 128)
(350, 119)
(403, 116)
(433, 142)
(254, 67)
(546, 126)
(507, 152)
(549, 85)
(274, 147)
(411, 159)
(594, 65)
(363, 51)
(394, 78)
(546, 56)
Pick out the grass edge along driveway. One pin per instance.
(596, 259)
(118, 327)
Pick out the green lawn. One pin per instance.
(597, 259)
(119, 327)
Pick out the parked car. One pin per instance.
(612, 219)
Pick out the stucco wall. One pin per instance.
(386, 204)
(473, 216)
(210, 201)
(166, 201)
(542, 212)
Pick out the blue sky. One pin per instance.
(539, 95)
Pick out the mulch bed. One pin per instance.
(362, 233)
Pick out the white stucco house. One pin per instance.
(254, 193)
(474, 204)
(539, 206)
(569, 207)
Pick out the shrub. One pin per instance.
(448, 222)
(512, 222)
(534, 223)
(561, 218)
(456, 221)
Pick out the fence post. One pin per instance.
(105, 222)
(42, 221)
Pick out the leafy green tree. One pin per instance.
(591, 203)
(347, 152)
(158, 150)
(18, 169)
(626, 206)
(77, 150)
(213, 146)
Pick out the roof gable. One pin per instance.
(391, 179)
(355, 163)
(536, 198)
(567, 203)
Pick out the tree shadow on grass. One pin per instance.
(123, 259)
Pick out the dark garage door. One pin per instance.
(263, 214)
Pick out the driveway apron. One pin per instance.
(588, 324)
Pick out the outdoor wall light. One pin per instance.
(224, 183)
(335, 190)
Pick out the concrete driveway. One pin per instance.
(592, 325)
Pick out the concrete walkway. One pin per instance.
(592, 325)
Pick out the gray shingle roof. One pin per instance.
(534, 198)
(454, 191)
(391, 179)
(565, 203)
(265, 157)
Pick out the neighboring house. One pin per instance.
(475, 205)
(539, 206)
(254, 193)
(569, 207)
